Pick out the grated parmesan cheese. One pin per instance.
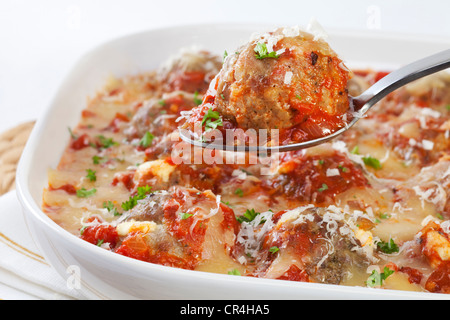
(427, 144)
(317, 30)
(430, 112)
(252, 233)
(333, 172)
(436, 195)
(288, 77)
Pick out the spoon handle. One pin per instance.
(401, 77)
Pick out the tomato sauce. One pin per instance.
(308, 179)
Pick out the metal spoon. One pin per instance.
(361, 104)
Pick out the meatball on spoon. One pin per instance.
(291, 84)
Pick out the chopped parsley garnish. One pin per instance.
(324, 187)
(197, 100)
(234, 272)
(111, 208)
(298, 97)
(376, 279)
(239, 192)
(212, 120)
(147, 140)
(227, 203)
(372, 162)
(248, 216)
(274, 249)
(344, 169)
(82, 229)
(162, 102)
(99, 160)
(388, 247)
(225, 55)
(100, 242)
(385, 215)
(261, 52)
(355, 150)
(96, 159)
(83, 193)
(74, 136)
(142, 192)
(185, 215)
(105, 143)
(91, 175)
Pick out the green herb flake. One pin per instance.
(227, 203)
(99, 160)
(384, 216)
(208, 120)
(274, 249)
(141, 193)
(261, 52)
(372, 162)
(83, 193)
(376, 279)
(105, 143)
(239, 192)
(355, 150)
(72, 135)
(147, 140)
(82, 229)
(248, 216)
(111, 208)
(324, 187)
(91, 175)
(185, 215)
(234, 272)
(388, 247)
(197, 100)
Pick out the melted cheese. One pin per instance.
(160, 168)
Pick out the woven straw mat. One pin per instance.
(12, 143)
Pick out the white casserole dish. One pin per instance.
(106, 275)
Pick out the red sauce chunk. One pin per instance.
(100, 234)
(316, 178)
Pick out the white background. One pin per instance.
(41, 40)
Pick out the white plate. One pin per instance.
(106, 275)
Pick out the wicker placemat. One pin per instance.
(12, 143)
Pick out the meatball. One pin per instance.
(282, 80)
(159, 116)
(151, 209)
(181, 227)
(311, 244)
